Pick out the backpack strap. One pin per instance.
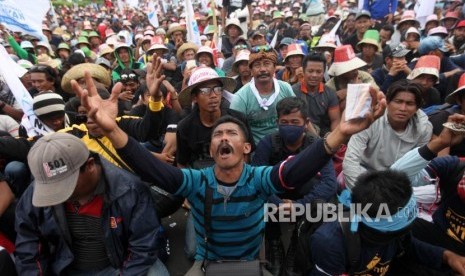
(353, 246)
(276, 149)
(207, 215)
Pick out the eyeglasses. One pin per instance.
(240, 47)
(207, 91)
(263, 48)
(129, 77)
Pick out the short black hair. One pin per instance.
(388, 28)
(96, 157)
(315, 57)
(231, 119)
(50, 73)
(406, 86)
(382, 187)
(290, 104)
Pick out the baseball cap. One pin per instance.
(395, 50)
(54, 161)
(431, 43)
(460, 24)
(363, 13)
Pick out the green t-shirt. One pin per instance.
(262, 122)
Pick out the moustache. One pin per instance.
(224, 147)
(264, 75)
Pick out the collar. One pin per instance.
(303, 87)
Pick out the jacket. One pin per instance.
(379, 146)
(115, 74)
(43, 242)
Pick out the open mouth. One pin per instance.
(225, 150)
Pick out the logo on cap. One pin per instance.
(55, 167)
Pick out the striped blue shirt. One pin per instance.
(237, 223)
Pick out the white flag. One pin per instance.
(133, 3)
(422, 9)
(24, 15)
(152, 15)
(274, 40)
(193, 33)
(11, 73)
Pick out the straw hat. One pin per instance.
(47, 60)
(451, 98)
(201, 75)
(77, 72)
(427, 64)
(175, 27)
(105, 49)
(345, 61)
(184, 47)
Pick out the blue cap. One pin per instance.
(431, 43)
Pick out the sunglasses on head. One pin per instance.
(263, 48)
(129, 77)
(241, 47)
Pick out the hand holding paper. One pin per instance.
(358, 101)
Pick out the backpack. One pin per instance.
(352, 241)
(306, 228)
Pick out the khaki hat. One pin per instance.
(54, 161)
(200, 75)
(47, 60)
(184, 47)
(345, 61)
(77, 72)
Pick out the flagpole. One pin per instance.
(215, 23)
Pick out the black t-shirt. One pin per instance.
(193, 139)
(352, 40)
(439, 118)
(235, 4)
(170, 117)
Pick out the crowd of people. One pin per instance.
(141, 120)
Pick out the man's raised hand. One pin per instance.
(102, 112)
(154, 78)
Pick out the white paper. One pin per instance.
(358, 101)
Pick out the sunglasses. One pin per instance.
(207, 91)
(263, 48)
(129, 77)
(241, 47)
(39, 68)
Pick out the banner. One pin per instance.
(11, 73)
(193, 33)
(24, 15)
(152, 15)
